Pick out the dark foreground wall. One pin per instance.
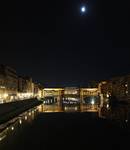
(10, 110)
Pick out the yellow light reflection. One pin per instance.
(26, 117)
(12, 128)
(1, 138)
(29, 113)
(20, 121)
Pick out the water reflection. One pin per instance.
(119, 114)
(68, 108)
(12, 128)
(20, 121)
(13, 125)
(50, 108)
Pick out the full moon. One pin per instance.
(83, 9)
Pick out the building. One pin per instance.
(128, 86)
(118, 87)
(2, 85)
(53, 95)
(72, 93)
(90, 99)
(105, 88)
(86, 93)
(25, 88)
(73, 97)
(38, 90)
(14, 87)
(8, 84)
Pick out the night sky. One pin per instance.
(52, 41)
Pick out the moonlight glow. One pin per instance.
(83, 9)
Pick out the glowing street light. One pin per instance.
(92, 102)
(107, 105)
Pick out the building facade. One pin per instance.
(2, 85)
(25, 88)
(8, 84)
(14, 87)
(72, 93)
(118, 87)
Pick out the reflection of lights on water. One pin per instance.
(20, 121)
(26, 117)
(29, 113)
(107, 105)
(65, 108)
(12, 128)
(40, 108)
(1, 138)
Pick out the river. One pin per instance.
(40, 129)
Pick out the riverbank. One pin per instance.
(11, 110)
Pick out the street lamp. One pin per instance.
(92, 102)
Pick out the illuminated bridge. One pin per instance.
(72, 99)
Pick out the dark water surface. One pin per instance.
(66, 131)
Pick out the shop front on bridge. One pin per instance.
(72, 98)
